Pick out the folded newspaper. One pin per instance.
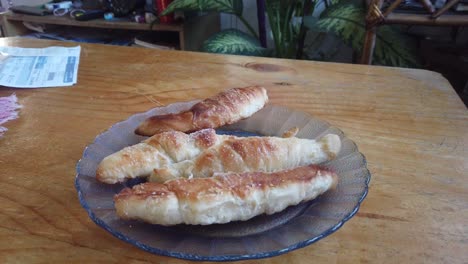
(39, 67)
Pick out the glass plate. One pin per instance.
(261, 237)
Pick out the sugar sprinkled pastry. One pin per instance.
(222, 109)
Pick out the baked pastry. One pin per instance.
(225, 108)
(292, 132)
(249, 154)
(160, 150)
(222, 198)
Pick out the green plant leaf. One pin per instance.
(333, 2)
(347, 22)
(223, 6)
(284, 17)
(341, 2)
(233, 41)
(309, 21)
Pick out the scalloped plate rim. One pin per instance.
(219, 258)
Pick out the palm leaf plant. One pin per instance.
(347, 22)
(235, 42)
(285, 17)
(234, 7)
(291, 20)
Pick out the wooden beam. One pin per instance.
(445, 8)
(389, 9)
(426, 20)
(371, 30)
(428, 6)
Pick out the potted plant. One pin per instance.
(291, 20)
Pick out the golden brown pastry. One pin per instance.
(157, 151)
(222, 198)
(225, 108)
(249, 154)
(292, 132)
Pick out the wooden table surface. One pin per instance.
(410, 124)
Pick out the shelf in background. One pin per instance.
(190, 33)
(96, 23)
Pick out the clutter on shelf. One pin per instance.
(138, 11)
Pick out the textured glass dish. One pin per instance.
(261, 237)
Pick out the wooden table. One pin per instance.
(409, 123)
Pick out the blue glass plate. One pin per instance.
(261, 237)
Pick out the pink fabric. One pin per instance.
(8, 106)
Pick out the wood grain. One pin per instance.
(410, 124)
